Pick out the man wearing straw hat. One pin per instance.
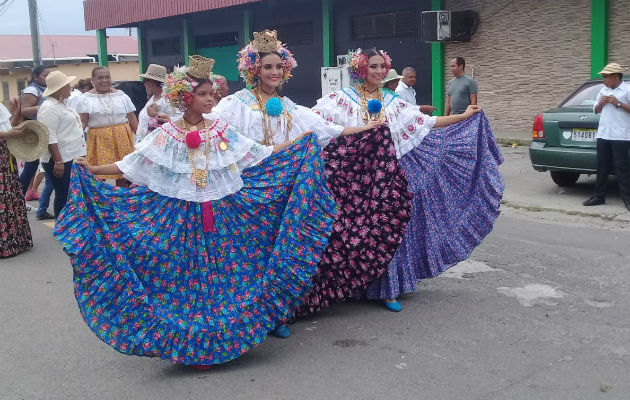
(613, 135)
(65, 135)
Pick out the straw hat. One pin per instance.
(155, 72)
(32, 144)
(613, 68)
(55, 81)
(391, 75)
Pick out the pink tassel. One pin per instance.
(207, 216)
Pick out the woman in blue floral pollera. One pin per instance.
(215, 246)
(363, 175)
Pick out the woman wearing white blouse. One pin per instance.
(65, 135)
(109, 115)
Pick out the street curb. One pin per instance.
(511, 142)
(619, 217)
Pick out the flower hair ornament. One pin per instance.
(358, 64)
(180, 84)
(249, 57)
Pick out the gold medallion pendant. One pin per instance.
(223, 146)
(200, 177)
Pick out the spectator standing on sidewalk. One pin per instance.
(461, 90)
(32, 97)
(405, 86)
(406, 91)
(613, 135)
(65, 136)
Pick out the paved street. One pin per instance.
(540, 311)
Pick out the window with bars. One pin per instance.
(298, 33)
(21, 85)
(396, 24)
(5, 91)
(217, 39)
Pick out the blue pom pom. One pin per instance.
(274, 106)
(374, 106)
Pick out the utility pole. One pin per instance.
(37, 51)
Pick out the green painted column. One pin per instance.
(142, 56)
(248, 26)
(101, 43)
(189, 42)
(437, 68)
(599, 36)
(329, 59)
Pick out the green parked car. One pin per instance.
(564, 138)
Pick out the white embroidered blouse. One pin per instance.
(406, 123)
(161, 162)
(241, 110)
(105, 109)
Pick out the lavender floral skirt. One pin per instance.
(454, 176)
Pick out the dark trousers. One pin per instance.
(613, 153)
(29, 171)
(61, 185)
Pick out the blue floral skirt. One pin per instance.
(454, 176)
(150, 282)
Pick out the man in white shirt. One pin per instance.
(65, 135)
(613, 135)
(406, 91)
(405, 86)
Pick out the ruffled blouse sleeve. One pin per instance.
(337, 108)
(128, 104)
(5, 119)
(407, 124)
(161, 162)
(310, 120)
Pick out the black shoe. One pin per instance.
(627, 204)
(594, 201)
(45, 215)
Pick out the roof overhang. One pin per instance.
(100, 14)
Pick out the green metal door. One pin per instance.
(225, 60)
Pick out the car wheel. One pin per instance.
(563, 178)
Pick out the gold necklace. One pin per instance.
(364, 111)
(199, 174)
(268, 132)
(109, 105)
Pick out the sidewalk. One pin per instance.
(523, 138)
(533, 191)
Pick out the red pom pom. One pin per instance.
(193, 140)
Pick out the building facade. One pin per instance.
(526, 56)
(71, 54)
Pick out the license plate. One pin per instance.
(584, 135)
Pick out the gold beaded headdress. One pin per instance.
(200, 66)
(266, 41)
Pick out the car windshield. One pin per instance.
(585, 96)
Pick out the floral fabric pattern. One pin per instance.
(15, 232)
(454, 176)
(374, 207)
(109, 144)
(150, 282)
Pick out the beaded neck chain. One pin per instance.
(268, 132)
(199, 174)
(364, 112)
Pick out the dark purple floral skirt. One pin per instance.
(15, 233)
(374, 206)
